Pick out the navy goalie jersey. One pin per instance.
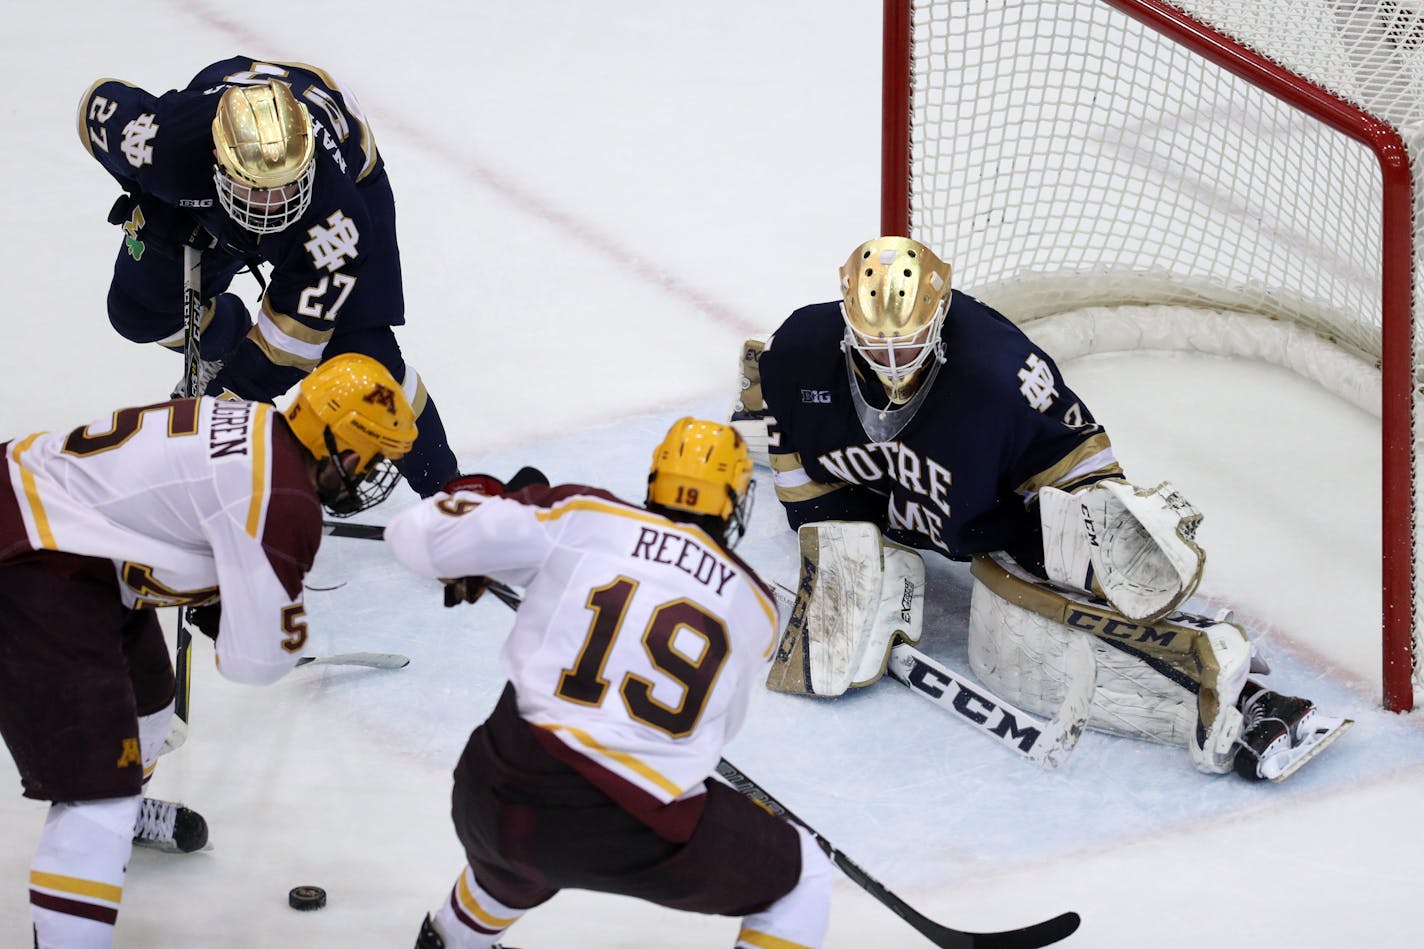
(963, 476)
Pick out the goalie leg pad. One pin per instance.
(1138, 547)
(857, 595)
(1023, 656)
(1175, 681)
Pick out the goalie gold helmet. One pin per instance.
(895, 293)
(703, 468)
(351, 403)
(263, 142)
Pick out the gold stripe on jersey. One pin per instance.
(259, 470)
(32, 495)
(622, 757)
(470, 905)
(415, 393)
(1075, 469)
(288, 326)
(81, 120)
(761, 940)
(793, 484)
(638, 514)
(76, 886)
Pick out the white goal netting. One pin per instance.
(1070, 158)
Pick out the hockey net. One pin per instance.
(1235, 177)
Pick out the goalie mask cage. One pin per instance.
(1235, 177)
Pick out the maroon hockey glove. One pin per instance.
(488, 485)
(206, 617)
(465, 590)
(526, 477)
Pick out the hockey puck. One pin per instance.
(306, 898)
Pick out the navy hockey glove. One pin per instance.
(157, 223)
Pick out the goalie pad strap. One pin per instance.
(1168, 637)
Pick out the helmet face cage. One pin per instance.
(264, 210)
(897, 360)
(741, 514)
(353, 491)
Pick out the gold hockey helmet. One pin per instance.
(265, 146)
(703, 468)
(895, 293)
(352, 403)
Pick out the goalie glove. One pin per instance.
(1137, 547)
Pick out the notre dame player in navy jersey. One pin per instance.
(921, 411)
(942, 439)
(259, 163)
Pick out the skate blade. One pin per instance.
(1325, 732)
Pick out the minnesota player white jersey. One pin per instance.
(187, 498)
(639, 638)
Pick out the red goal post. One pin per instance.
(1228, 176)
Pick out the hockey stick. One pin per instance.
(1029, 937)
(348, 529)
(370, 660)
(192, 316)
(1046, 744)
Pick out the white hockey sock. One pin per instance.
(471, 918)
(77, 875)
(799, 919)
(152, 730)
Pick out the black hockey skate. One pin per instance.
(170, 827)
(1280, 734)
(430, 939)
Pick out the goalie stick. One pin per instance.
(1045, 933)
(1047, 744)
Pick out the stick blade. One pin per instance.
(369, 660)
(1045, 933)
